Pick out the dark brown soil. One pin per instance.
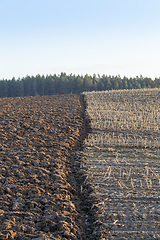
(43, 192)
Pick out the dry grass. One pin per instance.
(125, 117)
(123, 158)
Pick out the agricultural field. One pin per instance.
(68, 172)
(40, 191)
(123, 159)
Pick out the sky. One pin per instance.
(111, 37)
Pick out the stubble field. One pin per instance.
(123, 156)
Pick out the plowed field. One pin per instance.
(41, 196)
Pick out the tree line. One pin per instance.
(66, 84)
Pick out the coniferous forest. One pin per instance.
(65, 84)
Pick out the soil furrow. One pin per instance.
(43, 192)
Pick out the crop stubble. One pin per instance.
(123, 157)
(39, 193)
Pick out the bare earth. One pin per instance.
(40, 196)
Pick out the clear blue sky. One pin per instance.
(79, 36)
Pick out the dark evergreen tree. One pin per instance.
(64, 84)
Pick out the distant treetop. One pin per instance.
(67, 84)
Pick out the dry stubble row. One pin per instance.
(125, 170)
